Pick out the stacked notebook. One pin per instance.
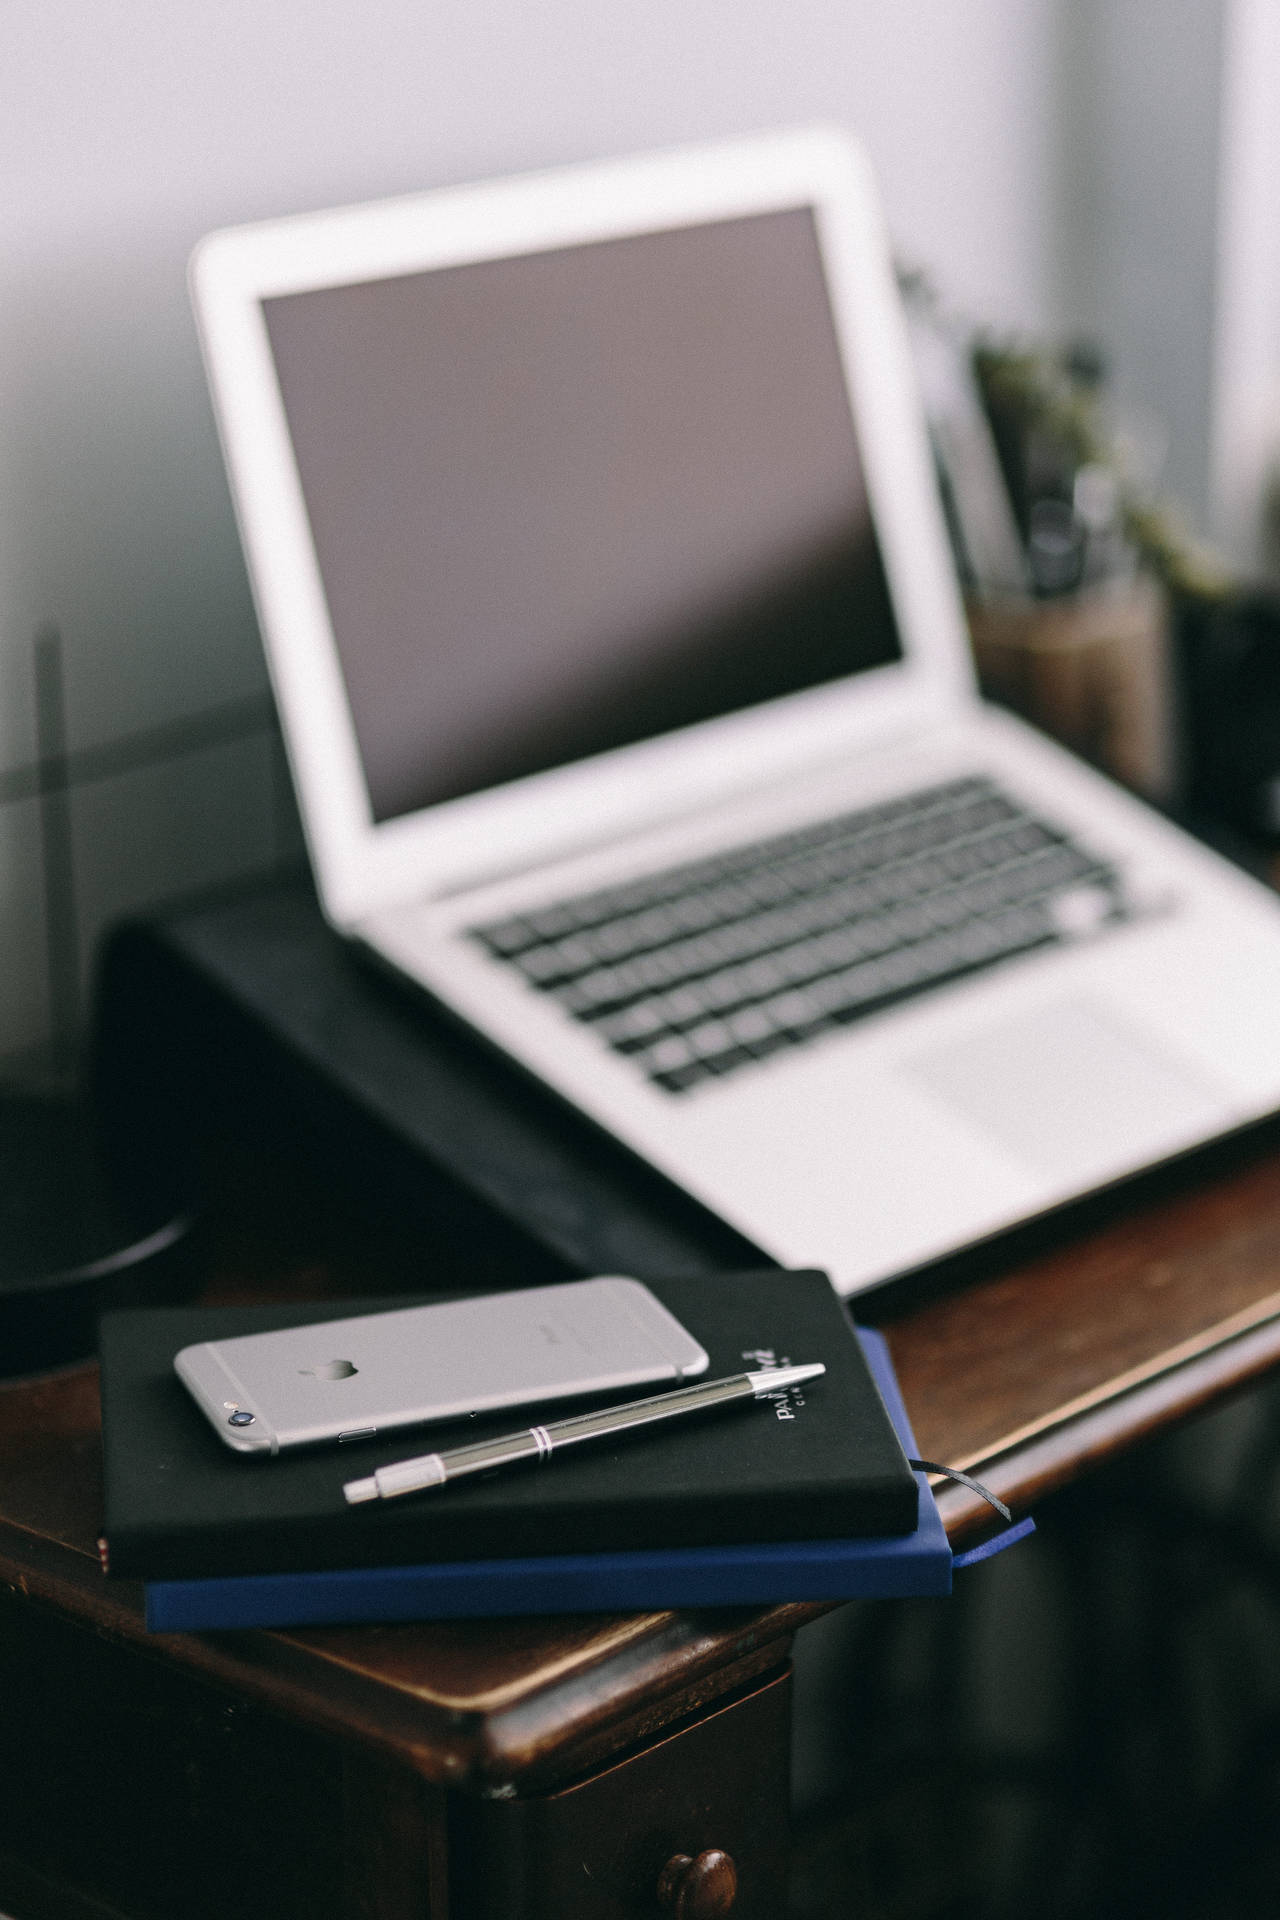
(805, 1495)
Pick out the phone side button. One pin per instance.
(357, 1433)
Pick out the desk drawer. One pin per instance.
(598, 1850)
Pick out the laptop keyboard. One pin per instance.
(701, 969)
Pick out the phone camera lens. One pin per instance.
(240, 1418)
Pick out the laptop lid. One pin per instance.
(576, 499)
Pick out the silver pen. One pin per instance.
(539, 1443)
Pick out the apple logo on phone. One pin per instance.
(331, 1370)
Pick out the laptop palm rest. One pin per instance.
(1070, 1088)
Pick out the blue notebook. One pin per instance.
(897, 1566)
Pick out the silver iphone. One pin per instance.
(351, 1379)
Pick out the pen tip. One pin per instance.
(358, 1490)
(810, 1372)
(774, 1379)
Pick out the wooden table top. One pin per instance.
(1029, 1373)
(1042, 1369)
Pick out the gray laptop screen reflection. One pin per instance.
(573, 499)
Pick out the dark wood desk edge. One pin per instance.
(1023, 1474)
(668, 1666)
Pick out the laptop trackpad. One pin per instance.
(1072, 1089)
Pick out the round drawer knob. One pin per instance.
(698, 1889)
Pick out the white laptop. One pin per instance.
(609, 608)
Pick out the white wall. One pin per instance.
(1244, 449)
(131, 128)
(1138, 204)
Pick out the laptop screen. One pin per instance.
(572, 499)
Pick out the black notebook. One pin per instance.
(820, 1462)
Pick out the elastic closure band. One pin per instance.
(1007, 1537)
(966, 1480)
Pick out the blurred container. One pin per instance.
(69, 1249)
(1091, 668)
(1227, 650)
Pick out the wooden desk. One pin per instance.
(541, 1767)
